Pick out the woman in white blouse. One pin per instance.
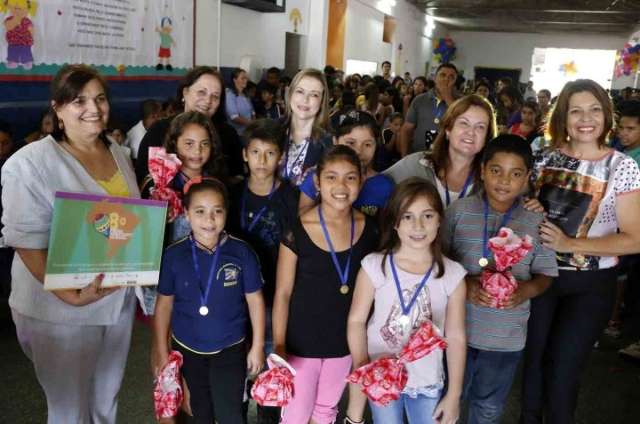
(78, 340)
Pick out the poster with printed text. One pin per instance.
(93, 234)
(120, 37)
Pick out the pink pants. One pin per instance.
(318, 387)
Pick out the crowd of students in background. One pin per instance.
(316, 199)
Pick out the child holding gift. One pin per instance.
(317, 266)
(195, 142)
(410, 282)
(209, 283)
(496, 337)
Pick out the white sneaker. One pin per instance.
(632, 351)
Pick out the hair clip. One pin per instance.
(192, 181)
(197, 180)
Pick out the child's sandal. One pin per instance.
(348, 420)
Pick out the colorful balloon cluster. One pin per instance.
(444, 50)
(627, 60)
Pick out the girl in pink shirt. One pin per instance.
(409, 282)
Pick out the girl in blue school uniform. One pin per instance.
(210, 285)
(359, 131)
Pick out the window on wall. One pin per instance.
(361, 67)
(552, 68)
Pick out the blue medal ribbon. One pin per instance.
(463, 193)
(342, 274)
(485, 235)
(261, 211)
(439, 110)
(406, 309)
(205, 296)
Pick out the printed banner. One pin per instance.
(91, 234)
(128, 37)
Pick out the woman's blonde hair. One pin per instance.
(321, 121)
(30, 5)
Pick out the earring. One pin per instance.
(61, 124)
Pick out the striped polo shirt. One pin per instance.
(490, 328)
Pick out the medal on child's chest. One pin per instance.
(484, 260)
(343, 274)
(203, 310)
(405, 318)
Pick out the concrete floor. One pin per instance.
(610, 390)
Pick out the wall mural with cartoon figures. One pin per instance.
(124, 39)
(18, 29)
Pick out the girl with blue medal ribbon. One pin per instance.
(210, 286)
(317, 264)
(409, 282)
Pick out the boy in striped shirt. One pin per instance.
(496, 337)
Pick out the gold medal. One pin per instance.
(483, 262)
(436, 121)
(344, 289)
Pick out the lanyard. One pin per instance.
(256, 217)
(204, 310)
(342, 274)
(463, 193)
(484, 260)
(439, 111)
(406, 309)
(285, 170)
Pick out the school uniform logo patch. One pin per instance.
(229, 273)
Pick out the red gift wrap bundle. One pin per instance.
(168, 393)
(274, 387)
(163, 167)
(508, 249)
(384, 379)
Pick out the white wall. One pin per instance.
(363, 36)
(514, 50)
(258, 37)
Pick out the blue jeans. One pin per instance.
(487, 381)
(419, 410)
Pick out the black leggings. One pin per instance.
(216, 384)
(565, 323)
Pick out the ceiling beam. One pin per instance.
(601, 12)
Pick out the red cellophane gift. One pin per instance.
(163, 167)
(275, 386)
(384, 379)
(167, 393)
(508, 249)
